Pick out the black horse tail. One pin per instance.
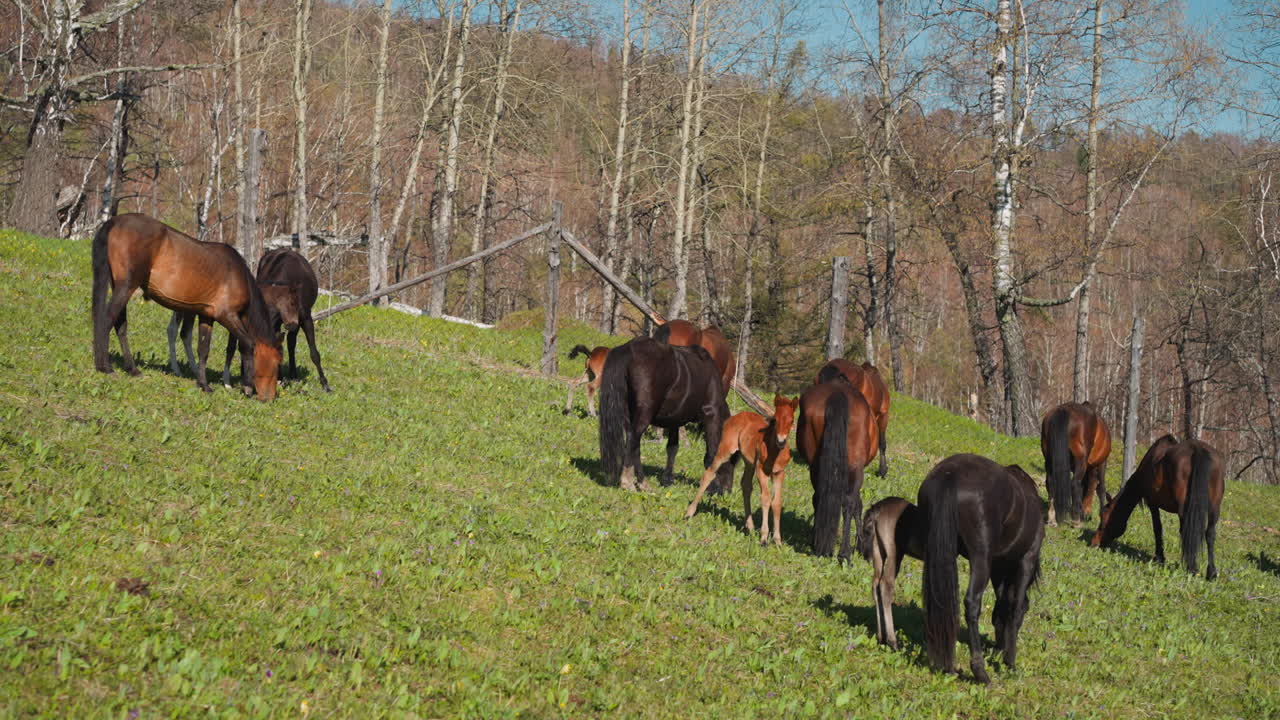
(579, 349)
(941, 600)
(1195, 513)
(833, 474)
(1059, 480)
(101, 280)
(615, 416)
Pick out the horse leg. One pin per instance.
(122, 334)
(568, 400)
(1099, 487)
(1078, 490)
(1016, 588)
(185, 333)
(673, 446)
(591, 400)
(707, 476)
(979, 576)
(632, 470)
(766, 500)
(884, 461)
(226, 365)
(748, 472)
(886, 562)
(852, 510)
(175, 322)
(1158, 531)
(309, 328)
(206, 336)
(120, 293)
(776, 506)
(1210, 536)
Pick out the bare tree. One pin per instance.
(442, 221)
(301, 69)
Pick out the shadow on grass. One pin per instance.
(797, 533)
(1265, 563)
(908, 620)
(1122, 548)
(591, 467)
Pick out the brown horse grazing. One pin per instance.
(685, 334)
(648, 382)
(763, 445)
(1075, 442)
(282, 303)
(1184, 478)
(591, 377)
(865, 378)
(891, 530)
(290, 288)
(971, 506)
(836, 436)
(177, 271)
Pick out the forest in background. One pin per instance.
(1024, 188)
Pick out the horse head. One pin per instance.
(784, 416)
(266, 368)
(284, 303)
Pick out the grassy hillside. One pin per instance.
(431, 540)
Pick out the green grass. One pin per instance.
(430, 540)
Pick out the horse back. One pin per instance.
(284, 266)
(997, 508)
(1170, 477)
(861, 438)
(176, 270)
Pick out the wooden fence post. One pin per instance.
(247, 232)
(553, 293)
(839, 303)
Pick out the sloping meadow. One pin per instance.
(431, 540)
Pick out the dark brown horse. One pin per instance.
(591, 375)
(971, 506)
(1075, 442)
(865, 378)
(685, 334)
(836, 436)
(290, 288)
(1183, 478)
(647, 382)
(891, 530)
(181, 273)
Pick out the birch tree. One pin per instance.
(301, 68)
(377, 239)
(442, 221)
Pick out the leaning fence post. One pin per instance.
(553, 293)
(839, 302)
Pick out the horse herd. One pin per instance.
(967, 505)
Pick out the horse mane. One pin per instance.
(831, 373)
(662, 333)
(258, 314)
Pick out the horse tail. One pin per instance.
(1059, 480)
(833, 473)
(941, 600)
(1195, 513)
(579, 349)
(615, 416)
(101, 280)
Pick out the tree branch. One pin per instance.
(99, 20)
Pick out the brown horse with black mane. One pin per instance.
(685, 334)
(836, 436)
(181, 273)
(1075, 442)
(1185, 478)
(866, 379)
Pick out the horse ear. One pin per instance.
(778, 399)
(795, 402)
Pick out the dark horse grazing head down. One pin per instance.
(991, 514)
(646, 382)
(290, 288)
(181, 273)
(866, 379)
(836, 436)
(1075, 442)
(1184, 478)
